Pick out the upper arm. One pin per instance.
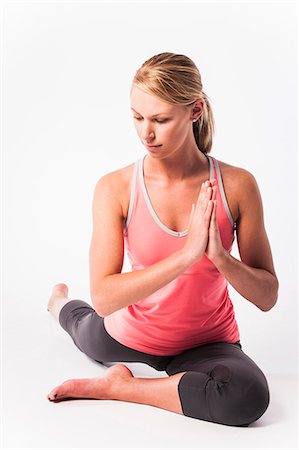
(253, 243)
(106, 253)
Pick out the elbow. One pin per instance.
(100, 313)
(268, 306)
(272, 296)
(98, 306)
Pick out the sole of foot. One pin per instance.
(101, 388)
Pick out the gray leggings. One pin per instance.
(221, 384)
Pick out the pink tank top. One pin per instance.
(193, 309)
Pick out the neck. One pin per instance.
(177, 167)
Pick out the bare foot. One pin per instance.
(58, 299)
(101, 388)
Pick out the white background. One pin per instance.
(66, 69)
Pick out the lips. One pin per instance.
(152, 146)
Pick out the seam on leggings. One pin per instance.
(193, 388)
(208, 400)
(215, 387)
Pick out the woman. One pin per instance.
(176, 209)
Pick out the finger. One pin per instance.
(208, 216)
(203, 194)
(191, 214)
(211, 182)
(204, 200)
(208, 211)
(204, 186)
(214, 213)
(214, 192)
(209, 192)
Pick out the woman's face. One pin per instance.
(159, 123)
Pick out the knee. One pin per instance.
(257, 400)
(244, 399)
(224, 396)
(253, 403)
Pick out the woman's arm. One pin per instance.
(254, 276)
(110, 289)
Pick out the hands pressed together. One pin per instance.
(203, 232)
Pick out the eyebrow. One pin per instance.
(154, 115)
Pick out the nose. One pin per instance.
(147, 134)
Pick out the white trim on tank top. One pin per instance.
(138, 171)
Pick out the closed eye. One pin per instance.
(157, 120)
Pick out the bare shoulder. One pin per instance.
(234, 174)
(239, 184)
(119, 183)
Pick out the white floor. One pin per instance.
(31, 421)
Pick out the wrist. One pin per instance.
(221, 260)
(187, 258)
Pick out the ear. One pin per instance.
(197, 109)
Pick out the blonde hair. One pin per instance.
(175, 79)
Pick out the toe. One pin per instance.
(61, 286)
(63, 390)
(74, 388)
(53, 394)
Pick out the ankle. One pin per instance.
(57, 306)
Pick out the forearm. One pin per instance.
(124, 289)
(258, 286)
